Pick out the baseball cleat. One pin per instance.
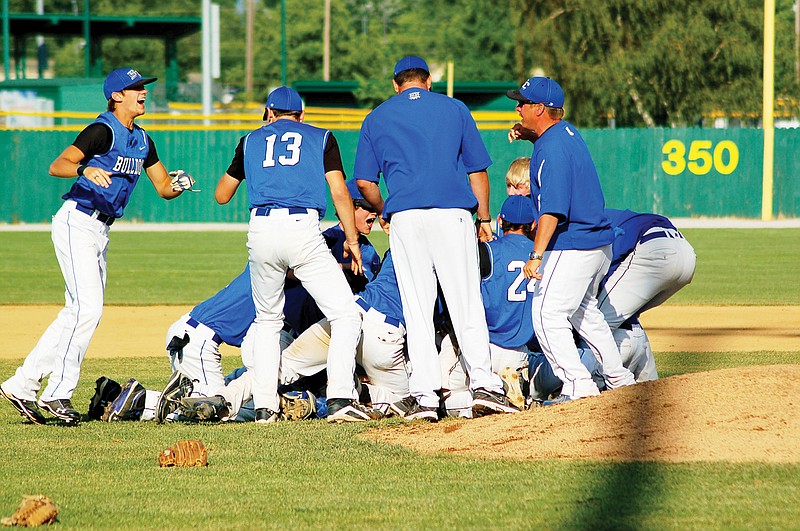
(62, 409)
(485, 402)
(513, 386)
(418, 412)
(213, 408)
(106, 390)
(179, 386)
(560, 399)
(267, 416)
(28, 409)
(298, 405)
(346, 410)
(129, 404)
(402, 407)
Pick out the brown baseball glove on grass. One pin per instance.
(33, 511)
(184, 453)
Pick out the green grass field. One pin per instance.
(317, 476)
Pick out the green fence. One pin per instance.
(675, 172)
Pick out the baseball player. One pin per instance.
(572, 247)
(107, 158)
(380, 352)
(286, 164)
(506, 297)
(422, 142)
(651, 261)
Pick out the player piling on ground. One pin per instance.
(107, 158)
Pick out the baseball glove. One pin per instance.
(181, 181)
(33, 511)
(184, 453)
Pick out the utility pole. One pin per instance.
(326, 43)
(248, 53)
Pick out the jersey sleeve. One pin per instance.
(236, 168)
(95, 139)
(152, 154)
(555, 177)
(332, 156)
(484, 259)
(473, 150)
(366, 166)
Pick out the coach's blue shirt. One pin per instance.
(564, 183)
(424, 144)
(124, 161)
(507, 294)
(284, 165)
(231, 311)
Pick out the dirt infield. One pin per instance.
(140, 330)
(711, 416)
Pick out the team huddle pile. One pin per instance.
(455, 319)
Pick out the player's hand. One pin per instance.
(98, 176)
(354, 250)
(518, 132)
(384, 224)
(181, 181)
(485, 232)
(531, 269)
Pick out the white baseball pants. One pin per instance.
(431, 245)
(564, 299)
(201, 359)
(276, 243)
(80, 243)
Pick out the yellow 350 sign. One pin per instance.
(701, 157)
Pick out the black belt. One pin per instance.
(102, 218)
(661, 234)
(194, 322)
(265, 211)
(386, 319)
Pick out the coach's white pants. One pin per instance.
(201, 359)
(440, 244)
(277, 243)
(564, 299)
(80, 243)
(652, 273)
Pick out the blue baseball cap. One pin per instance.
(518, 209)
(539, 90)
(285, 99)
(408, 62)
(122, 79)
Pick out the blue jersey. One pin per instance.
(382, 293)
(564, 183)
(424, 144)
(506, 292)
(231, 311)
(124, 161)
(284, 166)
(629, 227)
(335, 238)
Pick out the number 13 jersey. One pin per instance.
(284, 165)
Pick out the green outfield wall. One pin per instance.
(674, 172)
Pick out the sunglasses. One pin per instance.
(526, 102)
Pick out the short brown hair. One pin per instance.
(412, 74)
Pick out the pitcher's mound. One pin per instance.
(735, 415)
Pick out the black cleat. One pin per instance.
(28, 409)
(62, 409)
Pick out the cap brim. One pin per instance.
(141, 83)
(516, 95)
